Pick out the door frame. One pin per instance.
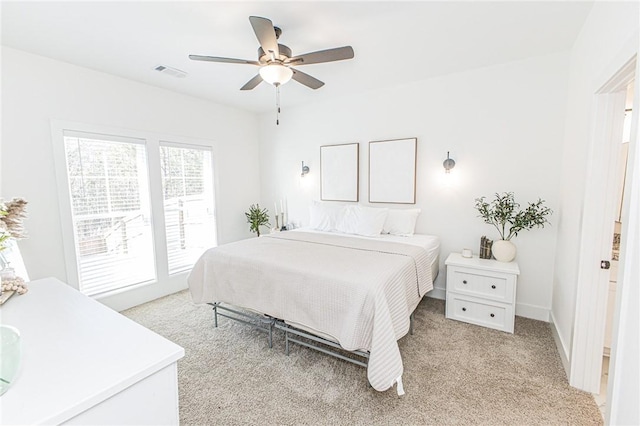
(597, 228)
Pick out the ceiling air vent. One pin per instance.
(173, 72)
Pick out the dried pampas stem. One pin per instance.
(15, 214)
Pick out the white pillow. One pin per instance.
(324, 217)
(348, 220)
(401, 222)
(371, 221)
(360, 220)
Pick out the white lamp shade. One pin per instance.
(276, 74)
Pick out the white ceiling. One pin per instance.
(394, 42)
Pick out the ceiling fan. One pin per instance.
(276, 61)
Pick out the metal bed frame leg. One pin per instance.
(411, 323)
(263, 323)
(286, 342)
(296, 333)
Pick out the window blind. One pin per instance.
(187, 183)
(110, 211)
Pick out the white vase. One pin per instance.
(503, 250)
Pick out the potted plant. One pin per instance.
(506, 215)
(256, 218)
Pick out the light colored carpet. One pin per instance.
(455, 373)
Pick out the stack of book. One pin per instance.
(485, 248)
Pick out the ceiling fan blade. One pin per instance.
(224, 60)
(251, 84)
(306, 79)
(266, 34)
(329, 55)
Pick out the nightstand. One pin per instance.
(481, 291)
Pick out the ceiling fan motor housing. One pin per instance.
(285, 53)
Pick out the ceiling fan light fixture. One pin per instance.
(276, 74)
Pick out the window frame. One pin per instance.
(164, 283)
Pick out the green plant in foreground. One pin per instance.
(256, 218)
(503, 212)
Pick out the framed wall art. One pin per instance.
(339, 169)
(392, 171)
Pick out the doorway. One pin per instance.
(621, 174)
(597, 228)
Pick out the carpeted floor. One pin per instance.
(455, 373)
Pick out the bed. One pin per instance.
(356, 291)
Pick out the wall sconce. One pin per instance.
(448, 164)
(305, 170)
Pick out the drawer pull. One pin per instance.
(492, 315)
(464, 281)
(493, 286)
(465, 310)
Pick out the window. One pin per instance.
(110, 211)
(135, 210)
(187, 187)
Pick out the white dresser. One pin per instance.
(481, 291)
(83, 363)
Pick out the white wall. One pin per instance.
(502, 124)
(36, 90)
(608, 39)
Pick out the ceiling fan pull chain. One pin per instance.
(277, 105)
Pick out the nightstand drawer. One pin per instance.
(476, 311)
(490, 285)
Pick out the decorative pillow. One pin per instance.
(401, 222)
(324, 217)
(358, 220)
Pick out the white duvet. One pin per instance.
(359, 291)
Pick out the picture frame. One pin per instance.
(339, 172)
(392, 171)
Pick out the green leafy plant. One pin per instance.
(504, 213)
(256, 218)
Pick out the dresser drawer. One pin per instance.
(480, 312)
(485, 284)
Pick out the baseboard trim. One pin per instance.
(560, 345)
(137, 296)
(437, 293)
(532, 311)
